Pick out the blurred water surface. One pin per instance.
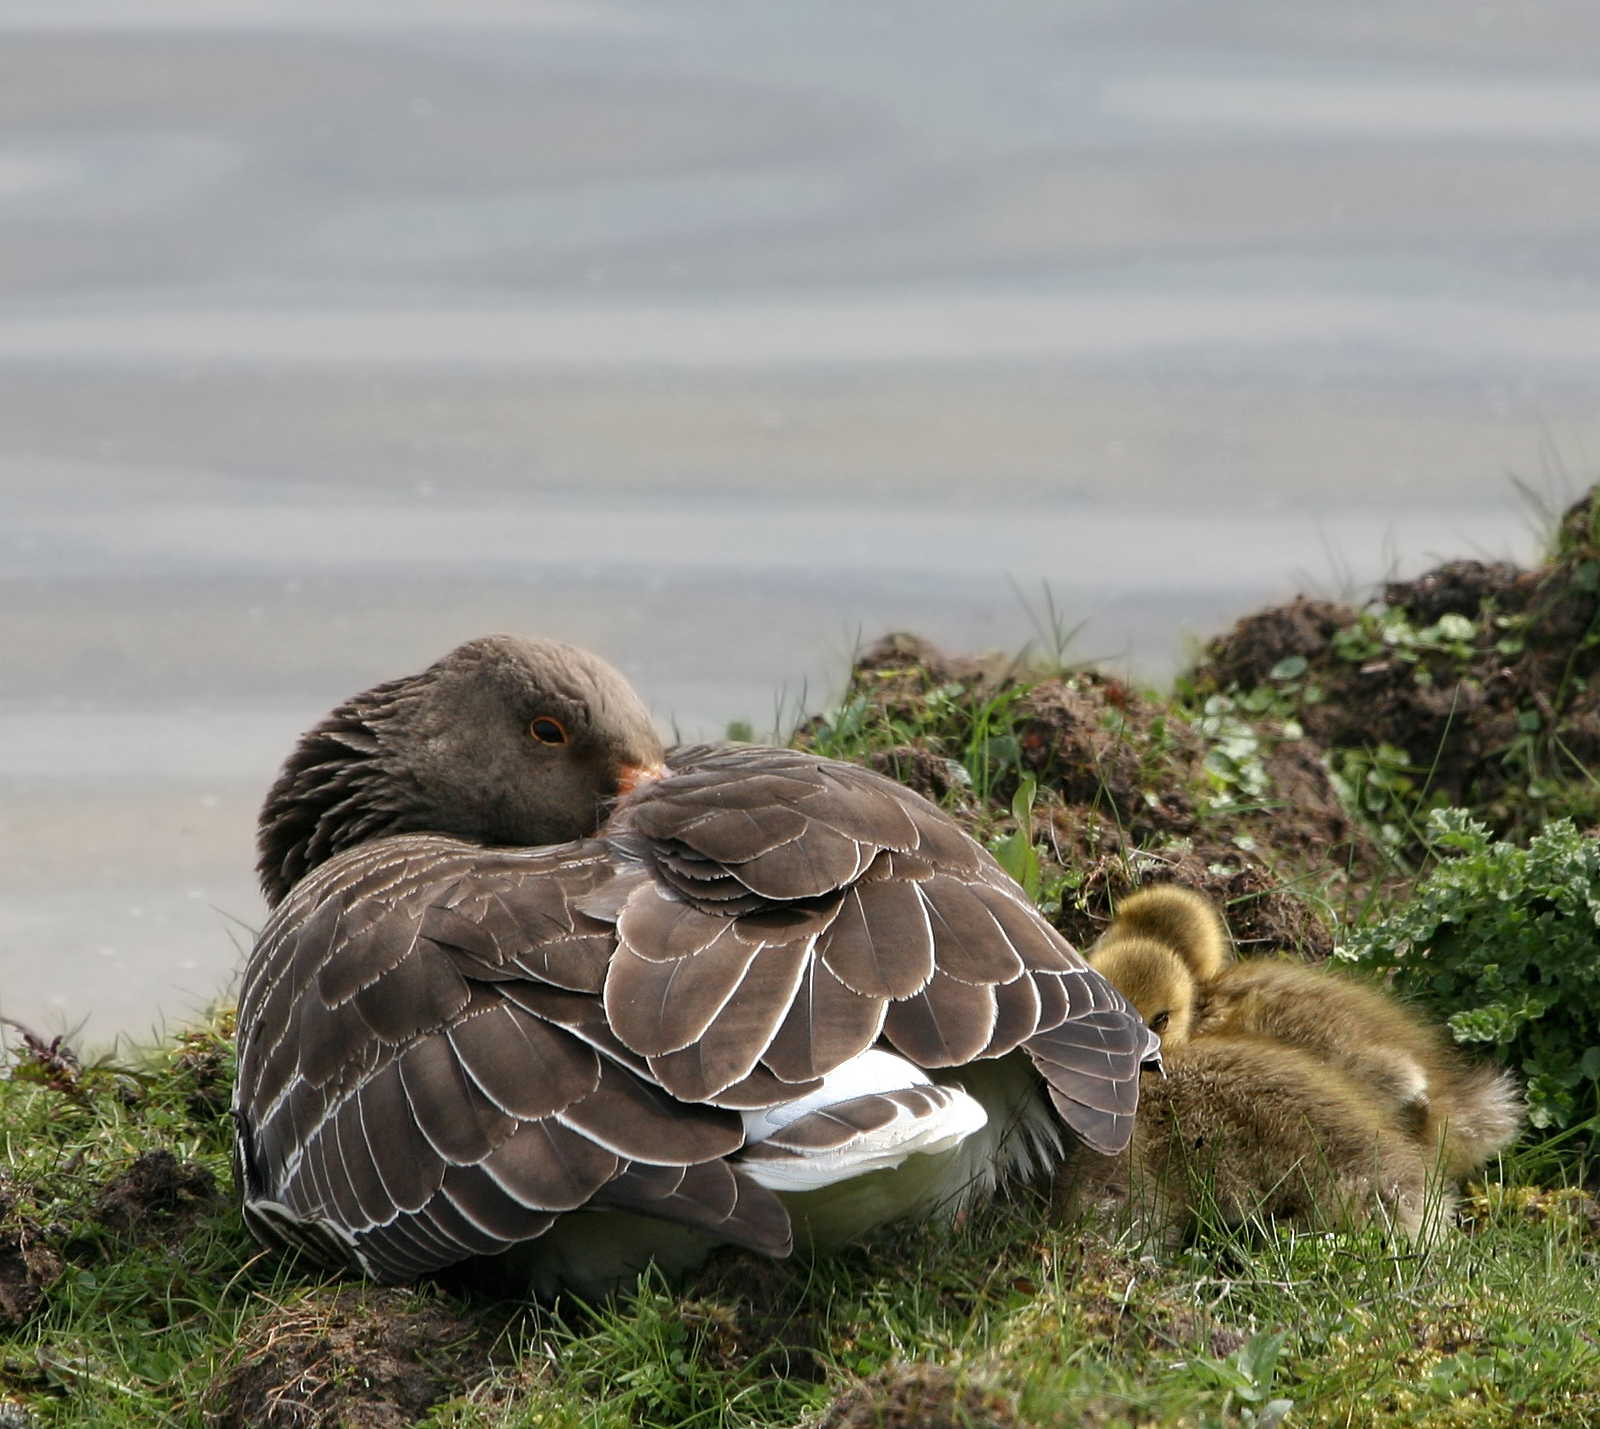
(718, 336)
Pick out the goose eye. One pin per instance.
(1159, 1022)
(548, 731)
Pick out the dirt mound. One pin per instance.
(917, 1396)
(347, 1358)
(907, 665)
(1474, 684)
(918, 767)
(1247, 655)
(1129, 789)
(158, 1196)
(1263, 914)
(1460, 588)
(28, 1265)
(1098, 744)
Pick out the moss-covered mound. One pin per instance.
(1473, 685)
(1112, 788)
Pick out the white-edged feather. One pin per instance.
(946, 1118)
(869, 1073)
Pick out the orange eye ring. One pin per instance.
(548, 731)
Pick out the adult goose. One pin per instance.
(537, 997)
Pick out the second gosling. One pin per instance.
(1465, 1112)
(1168, 951)
(1245, 1128)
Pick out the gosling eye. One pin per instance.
(548, 731)
(1158, 1023)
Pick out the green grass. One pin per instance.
(133, 1327)
(1494, 1326)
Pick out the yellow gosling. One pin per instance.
(1460, 1111)
(1242, 1128)
(1180, 919)
(1155, 980)
(1157, 953)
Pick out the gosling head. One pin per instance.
(508, 740)
(1178, 919)
(1154, 979)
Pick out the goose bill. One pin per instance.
(633, 776)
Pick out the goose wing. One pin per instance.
(874, 916)
(425, 1072)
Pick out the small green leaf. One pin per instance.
(1258, 1360)
(1273, 1413)
(1015, 851)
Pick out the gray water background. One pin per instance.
(719, 337)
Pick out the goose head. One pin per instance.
(1156, 980)
(506, 741)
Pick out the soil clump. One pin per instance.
(918, 1396)
(158, 1197)
(351, 1357)
(28, 1264)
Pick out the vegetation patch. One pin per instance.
(1502, 943)
(1474, 685)
(918, 1396)
(348, 1357)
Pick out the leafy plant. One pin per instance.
(1233, 765)
(1247, 1375)
(1385, 789)
(1387, 632)
(1241, 726)
(1505, 943)
(1015, 851)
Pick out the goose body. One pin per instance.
(762, 997)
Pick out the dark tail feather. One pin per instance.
(1091, 1065)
